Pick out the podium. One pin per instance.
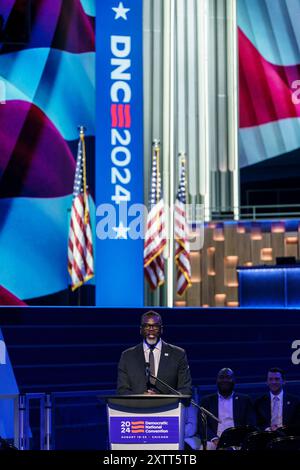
(144, 422)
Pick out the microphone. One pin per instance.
(204, 413)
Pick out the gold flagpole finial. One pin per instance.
(82, 129)
(182, 158)
(156, 143)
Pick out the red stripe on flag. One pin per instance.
(265, 92)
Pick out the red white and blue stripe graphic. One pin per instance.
(120, 116)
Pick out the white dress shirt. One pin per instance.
(156, 353)
(225, 413)
(280, 397)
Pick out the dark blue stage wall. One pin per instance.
(246, 339)
(46, 349)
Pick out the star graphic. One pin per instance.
(121, 231)
(120, 11)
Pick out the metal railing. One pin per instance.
(18, 425)
(256, 212)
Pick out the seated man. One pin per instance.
(277, 408)
(232, 409)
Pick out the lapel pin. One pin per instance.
(288, 403)
(166, 354)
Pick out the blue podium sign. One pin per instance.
(144, 430)
(119, 154)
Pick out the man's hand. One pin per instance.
(150, 392)
(215, 441)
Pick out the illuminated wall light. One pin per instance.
(291, 240)
(220, 300)
(205, 305)
(218, 234)
(231, 261)
(241, 229)
(278, 227)
(232, 304)
(211, 261)
(195, 254)
(196, 280)
(194, 234)
(248, 263)
(266, 254)
(230, 274)
(211, 225)
(180, 303)
(220, 297)
(256, 233)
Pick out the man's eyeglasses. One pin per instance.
(153, 326)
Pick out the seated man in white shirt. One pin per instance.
(277, 408)
(232, 409)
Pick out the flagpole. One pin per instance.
(156, 152)
(168, 135)
(81, 137)
(171, 263)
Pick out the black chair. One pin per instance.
(235, 436)
(293, 430)
(288, 443)
(259, 440)
(6, 445)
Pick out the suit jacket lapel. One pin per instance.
(285, 409)
(163, 363)
(214, 409)
(268, 408)
(141, 362)
(235, 408)
(215, 405)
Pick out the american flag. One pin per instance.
(155, 236)
(80, 244)
(182, 247)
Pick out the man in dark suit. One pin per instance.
(233, 409)
(166, 361)
(277, 408)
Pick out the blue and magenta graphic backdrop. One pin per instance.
(47, 90)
